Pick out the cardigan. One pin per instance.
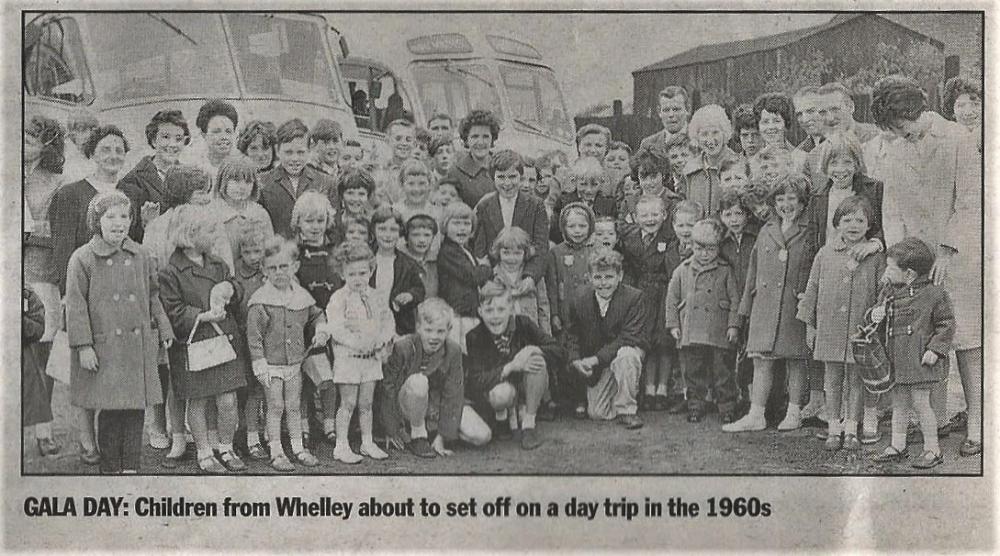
(68, 222)
(142, 184)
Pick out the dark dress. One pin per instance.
(184, 290)
(35, 407)
(68, 220)
(143, 184)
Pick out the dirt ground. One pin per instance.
(667, 445)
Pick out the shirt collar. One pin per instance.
(101, 248)
(267, 294)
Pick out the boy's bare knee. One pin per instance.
(502, 396)
(416, 385)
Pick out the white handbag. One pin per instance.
(210, 352)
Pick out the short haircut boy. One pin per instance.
(648, 164)
(325, 130)
(732, 198)
(620, 146)
(851, 205)
(275, 245)
(492, 290)
(382, 214)
(250, 235)
(440, 116)
(400, 122)
(420, 222)
(651, 200)
(511, 237)
(290, 131)
(437, 143)
(456, 211)
(434, 310)
(911, 254)
(707, 231)
(605, 259)
(356, 179)
(744, 117)
(353, 252)
(506, 160)
(691, 208)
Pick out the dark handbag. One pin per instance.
(871, 358)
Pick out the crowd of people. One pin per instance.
(257, 294)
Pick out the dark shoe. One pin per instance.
(662, 402)
(891, 455)
(501, 430)
(92, 457)
(728, 417)
(530, 439)
(580, 412)
(694, 417)
(914, 436)
(47, 446)
(813, 422)
(970, 448)
(421, 448)
(232, 462)
(851, 443)
(823, 434)
(928, 460)
(677, 405)
(630, 422)
(960, 422)
(257, 452)
(833, 443)
(171, 462)
(546, 413)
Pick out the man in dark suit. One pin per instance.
(507, 207)
(280, 187)
(607, 339)
(675, 108)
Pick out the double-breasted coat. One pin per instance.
(778, 273)
(648, 266)
(703, 302)
(839, 292)
(185, 290)
(112, 305)
(703, 182)
(278, 195)
(919, 318)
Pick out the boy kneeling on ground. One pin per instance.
(607, 340)
(508, 365)
(423, 381)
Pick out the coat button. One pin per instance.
(843, 309)
(116, 297)
(289, 341)
(230, 336)
(131, 297)
(110, 262)
(128, 262)
(136, 331)
(118, 331)
(847, 279)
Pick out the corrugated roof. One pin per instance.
(721, 51)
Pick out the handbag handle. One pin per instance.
(195, 327)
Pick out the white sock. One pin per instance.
(297, 445)
(793, 409)
(661, 389)
(367, 440)
(225, 447)
(202, 454)
(418, 431)
(253, 439)
(276, 448)
(512, 420)
(501, 414)
(650, 390)
(756, 411)
(869, 422)
(528, 421)
(328, 425)
(850, 426)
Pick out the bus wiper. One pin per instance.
(172, 27)
(529, 126)
(450, 69)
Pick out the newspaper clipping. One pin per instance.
(496, 280)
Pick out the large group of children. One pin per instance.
(448, 291)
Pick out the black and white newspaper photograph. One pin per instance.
(457, 276)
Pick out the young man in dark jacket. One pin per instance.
(607, 340)
(509, 360)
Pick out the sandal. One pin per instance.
(891, 454)
(280, 463)
(970, 448)
(232, 462)
(928, 460)
(210, 465)
(257, 452)
(306, 458)
(331, 437)
(90, 457)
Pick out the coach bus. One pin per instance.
(126, 66)
(454, 73)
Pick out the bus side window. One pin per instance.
(54, 65)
